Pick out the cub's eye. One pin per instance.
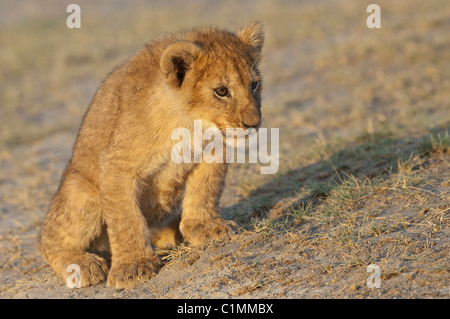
(221, 92)
(255, 85)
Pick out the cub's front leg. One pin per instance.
(200, 219)
(133, 260)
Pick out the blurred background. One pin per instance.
(324, 70)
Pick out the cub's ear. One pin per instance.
(176, 60)
(253, 36)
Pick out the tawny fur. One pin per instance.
(121, 193)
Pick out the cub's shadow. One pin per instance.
(372, 157)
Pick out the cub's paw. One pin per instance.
(84, 270)
(130, 273)
(200, 232)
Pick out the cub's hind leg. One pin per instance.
(73, 223)
(166, 234)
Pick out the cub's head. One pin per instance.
(216, 75)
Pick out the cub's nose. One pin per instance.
(251, 117)
(253, 124)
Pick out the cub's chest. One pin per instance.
(165, 185)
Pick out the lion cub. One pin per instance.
(121, 192)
